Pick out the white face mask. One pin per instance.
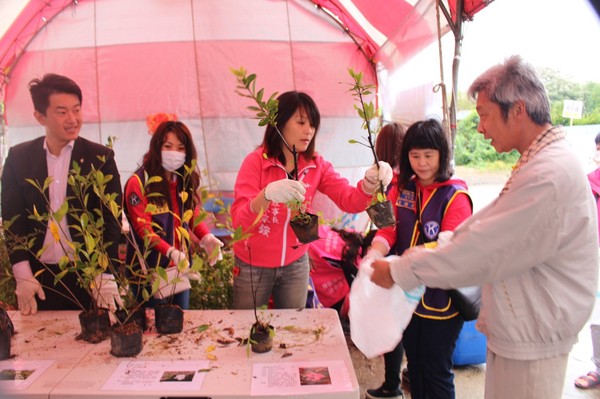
(172, 160)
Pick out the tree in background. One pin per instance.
(471, 148)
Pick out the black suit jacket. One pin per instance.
(19, 197)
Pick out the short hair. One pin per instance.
(289, 103)
(511, 81)
(389, 143)
(597, 139)
(426, 134)
(51, 83)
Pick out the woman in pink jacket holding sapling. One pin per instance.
(272, 262)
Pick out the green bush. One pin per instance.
(215, 288)
(472, 149)
(7, 283)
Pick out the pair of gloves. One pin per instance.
(286, 190)
(105, 290)
(211, 244)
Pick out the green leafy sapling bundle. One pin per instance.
(381, 210)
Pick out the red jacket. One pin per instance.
(272, 242)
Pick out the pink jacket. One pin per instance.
(594, 179)
(272, 242)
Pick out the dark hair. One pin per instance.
(289, 103)
(427, 134)
(355, 244)
(389, 144)
(510, 82)
(152, 164)
(597, 139)
(51, 83)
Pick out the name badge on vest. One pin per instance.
(406, 199)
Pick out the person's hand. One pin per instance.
(372, 255)
(27, 288)
(285, 190)
(105, 292)
(192, 275)
(212, 245)
(374, 175)
(381, 273)
(177, 257)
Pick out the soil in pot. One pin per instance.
(306, 227)
(7, 330)
(382, 214)
(168, 318)
(126, 340)
(139, 317)
(261, 338)
(95, 325)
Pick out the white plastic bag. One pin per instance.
(378, 316)
(176, 282)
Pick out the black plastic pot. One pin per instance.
(139, 317)
(306, 227)
(261, 338)
(5, 337)
(382, 214)
(7, 330)
(126, 340)
(95, 326)
(168, 319)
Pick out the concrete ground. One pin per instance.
(470, 380)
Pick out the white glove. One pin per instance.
(192, 275)
(27, 288)
(444, 238)
(177, 257)
(371, 256)
(212, 245)
(374, 175)
(105, 292)
(284, 190)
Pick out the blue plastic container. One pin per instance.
(470, 346)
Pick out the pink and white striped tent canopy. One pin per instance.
(137, 57)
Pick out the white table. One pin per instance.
(308, 339)
(43, 338)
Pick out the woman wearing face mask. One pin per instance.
(171, 157)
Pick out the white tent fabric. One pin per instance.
(137, 57)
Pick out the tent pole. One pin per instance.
(457, 31)
(458, 37)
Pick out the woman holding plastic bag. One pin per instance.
(428, 201)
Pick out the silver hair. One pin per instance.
(511, 81)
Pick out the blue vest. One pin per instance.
(436, 303)
(163, 225)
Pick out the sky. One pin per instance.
(559, 34)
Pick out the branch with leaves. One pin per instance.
(367, 112)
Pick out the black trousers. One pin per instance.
(429, 346)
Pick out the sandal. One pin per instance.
(590, 380)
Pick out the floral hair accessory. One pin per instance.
(153, 120)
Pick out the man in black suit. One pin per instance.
(57, 102)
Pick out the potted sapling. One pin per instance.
(88, 258)
(381, 210)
